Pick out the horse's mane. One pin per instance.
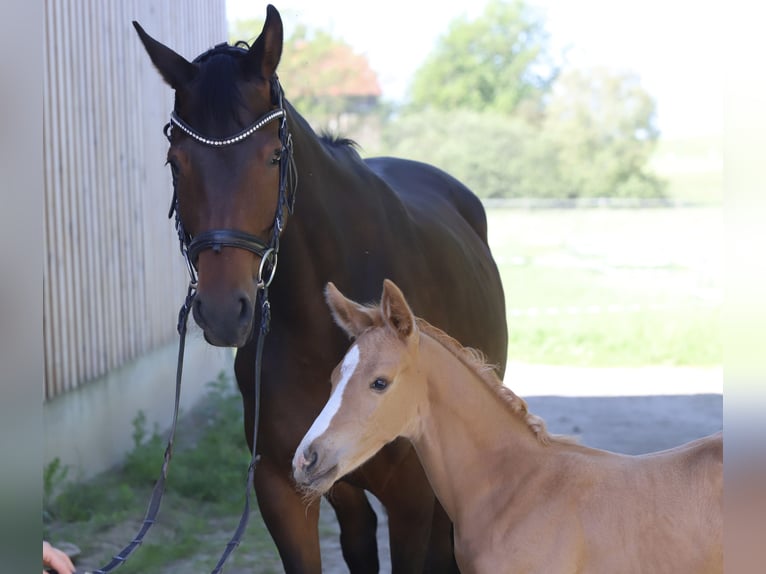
(336, 143)
(477, 363)
(337, 140)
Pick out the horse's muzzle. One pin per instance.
(227, 322)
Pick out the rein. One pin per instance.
(215, 239)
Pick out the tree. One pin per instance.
(594, 140)
(603, 125)
(499, 62)
(495, 155)
(324, 78)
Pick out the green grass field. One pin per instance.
(692, 168)
(599, 287)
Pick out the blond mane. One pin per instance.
(477, 363)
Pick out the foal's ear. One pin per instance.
(176, 70)
(350, 316)
(396, 312)
(263, 57)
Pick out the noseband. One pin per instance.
(214, 239)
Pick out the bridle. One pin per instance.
(215, 239)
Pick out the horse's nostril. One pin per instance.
(311, 459)
(244, 309)
(198, 307)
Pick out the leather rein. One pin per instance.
(215, 239)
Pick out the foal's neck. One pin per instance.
(467, 433)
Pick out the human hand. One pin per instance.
(56, 559)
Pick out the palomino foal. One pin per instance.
(521, 499)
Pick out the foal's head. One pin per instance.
(225, 187)
(375, 394)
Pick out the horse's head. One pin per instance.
(374, 396)
(227, 139)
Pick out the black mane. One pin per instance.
(218, 88)
(338, 141)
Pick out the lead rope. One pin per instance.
(159, 486)
(242, 526)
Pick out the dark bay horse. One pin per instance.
(355, 223)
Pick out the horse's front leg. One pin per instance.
(358, 528)
(292, 523)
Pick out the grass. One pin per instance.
(692, 167)
(200, 509)
(598, 287)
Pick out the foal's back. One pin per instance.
(656, 513)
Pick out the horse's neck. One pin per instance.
(466, 432)
(310, 246)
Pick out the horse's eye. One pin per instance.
(276, 157)
(379, 385)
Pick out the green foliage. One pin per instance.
(602, 126)
(315, 67)
(595, 139)
(201, 506)
(87, 501)
(494, 155)
(142, 464)
(499, 62)
(490, 107)
(214, 469)
(54, 476)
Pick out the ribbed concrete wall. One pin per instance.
(113, 277)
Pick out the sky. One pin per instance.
(673, 45)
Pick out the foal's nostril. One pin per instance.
(311, 459)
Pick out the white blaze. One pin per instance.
(322, 422)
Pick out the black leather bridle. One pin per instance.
(215, 239)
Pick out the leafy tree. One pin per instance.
(324, 78)
(495, 155)
(499, 62)
(594, 140)
(603, 126)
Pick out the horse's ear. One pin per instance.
(350, 316)
(396, 312)
(263, 57)
(176, 70)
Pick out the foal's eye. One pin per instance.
(276, 157)
(379, 385)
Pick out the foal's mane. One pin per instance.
(477, 363)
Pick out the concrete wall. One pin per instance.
(90, 430)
